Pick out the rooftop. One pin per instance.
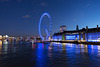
(89, 30)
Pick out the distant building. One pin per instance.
(21, 38)
(5, 38)
(77, 28)
(38, 40)
(0, 37)
(88, 34)
(62, 28)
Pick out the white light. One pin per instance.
(5, 36)
(0, 36)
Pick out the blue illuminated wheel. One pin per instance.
(48, 31)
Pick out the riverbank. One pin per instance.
(76, 42)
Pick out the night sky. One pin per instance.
(21, 17)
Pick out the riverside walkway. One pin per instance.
(74, 41)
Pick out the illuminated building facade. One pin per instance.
(88, 34)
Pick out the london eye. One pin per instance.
(45, 26)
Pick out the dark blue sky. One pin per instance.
(21, 17)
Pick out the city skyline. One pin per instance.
(21, 17)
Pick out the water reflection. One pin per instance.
(49, 55)
(0, 47)
(5, 47)
(5, 42)
(33, 46)
(65, 54)
(40, 61)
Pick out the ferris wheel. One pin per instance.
(47, 28)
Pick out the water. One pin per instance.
(22, 54)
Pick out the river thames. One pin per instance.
(21, 54)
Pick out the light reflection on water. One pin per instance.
(0, 46)
(20, 54)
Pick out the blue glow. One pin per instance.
(48, 15)
(93, 37)
(57, 38)
(72, 37)
(90, 37)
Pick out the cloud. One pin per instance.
(26, 16)
(44, 4)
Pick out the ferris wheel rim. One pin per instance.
(48, 15)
